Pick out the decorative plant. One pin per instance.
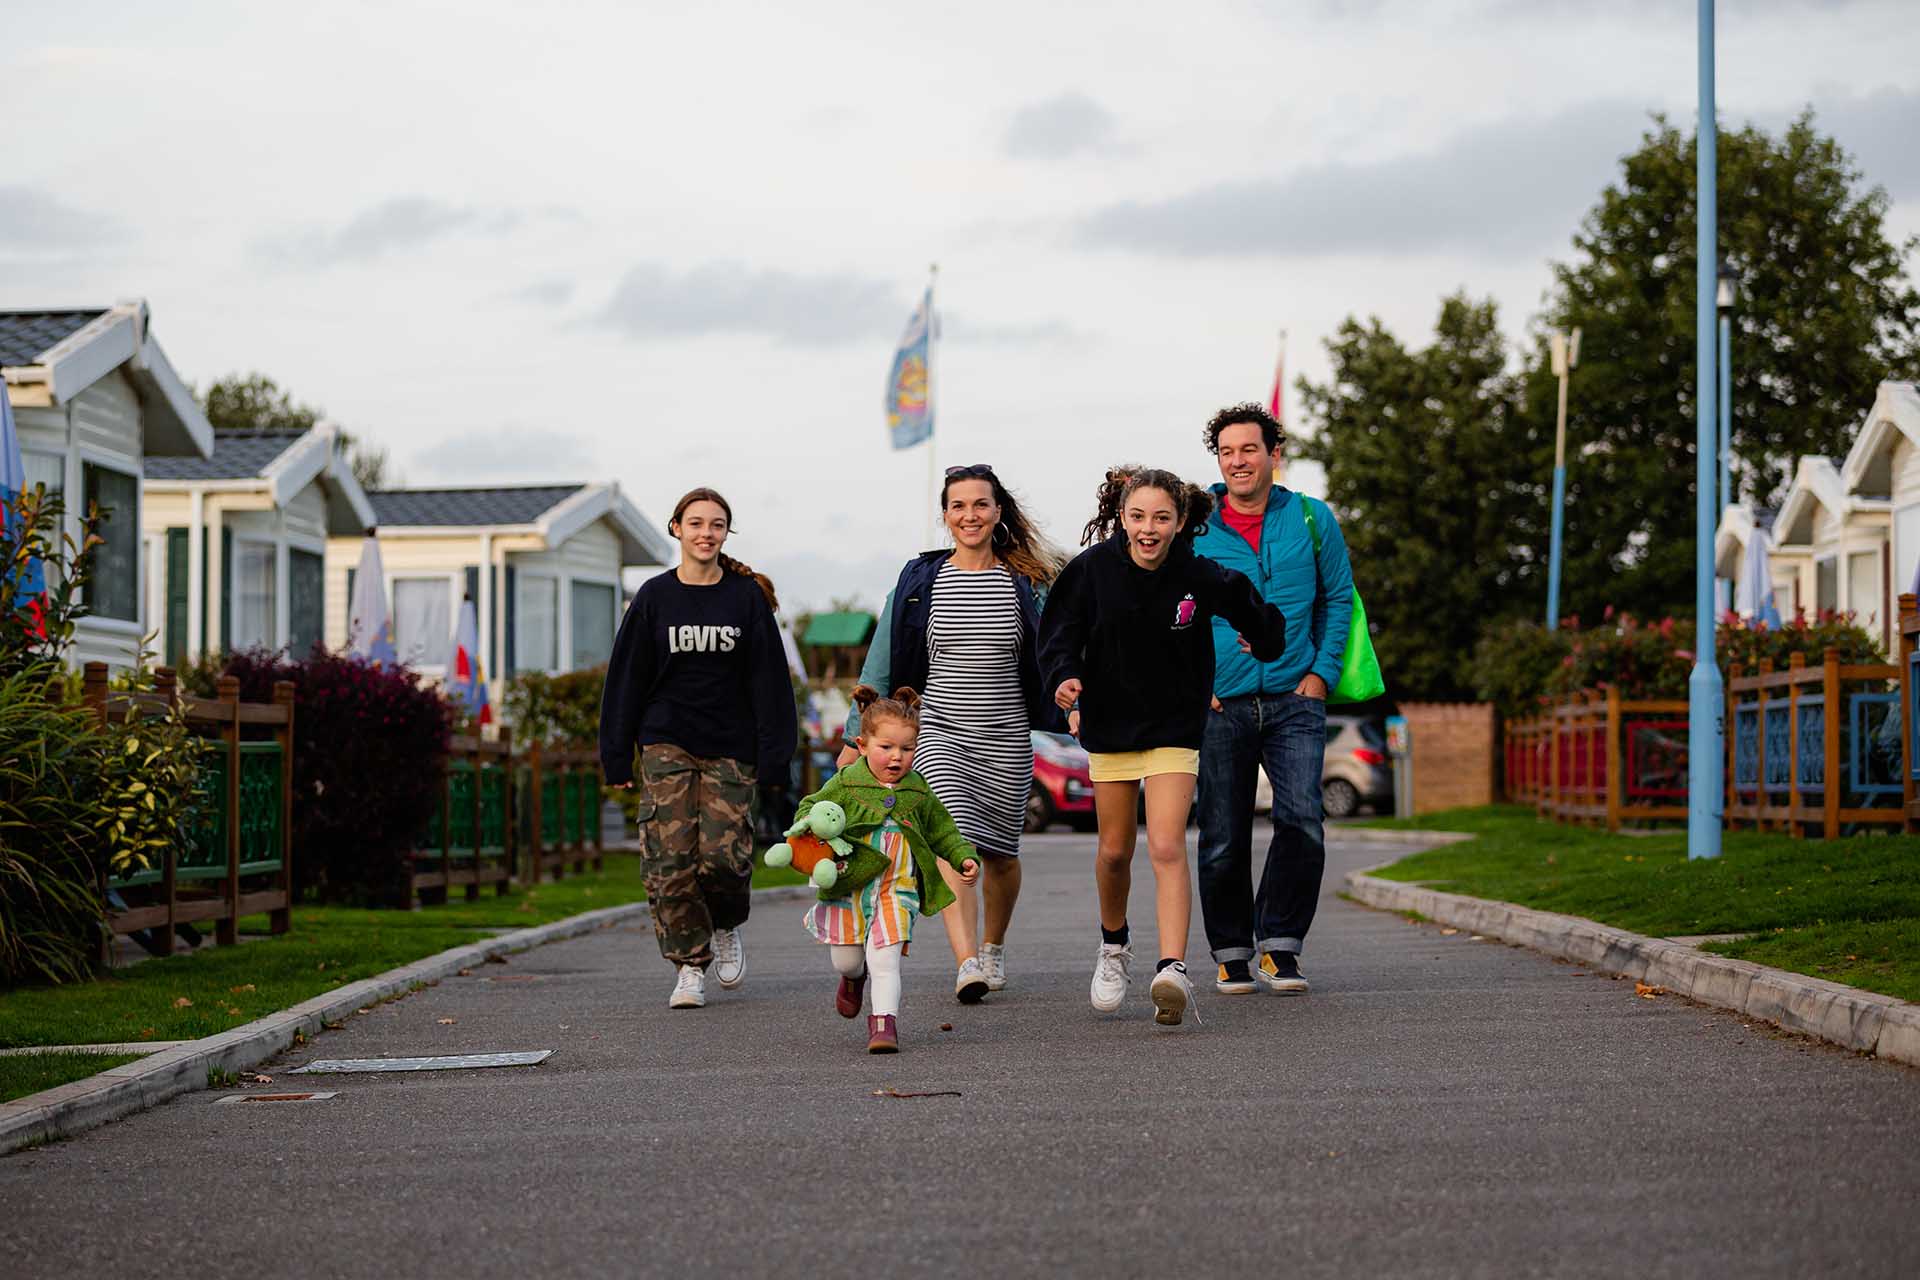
(562, 710)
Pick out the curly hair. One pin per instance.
(902, 708)
(1271, 433)
(1016, 542)
(727, 562)
(1193, 503)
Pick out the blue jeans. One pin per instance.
(1286, 734)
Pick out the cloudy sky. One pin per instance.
(673, 244)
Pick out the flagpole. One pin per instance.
(1280, 395)
(933, 473)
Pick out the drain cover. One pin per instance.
(274, 1097)
(451, 1062)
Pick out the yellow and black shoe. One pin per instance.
(1234, 979)
(1280, 973)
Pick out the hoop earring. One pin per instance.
(1002, 536)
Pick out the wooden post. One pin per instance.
(1616, 758)
(599, 806)
(509, 830)
(1796, 665)
(93, 690)
(1760, 794)
(280, 919)
(533, 812)
(1836, 719)
(1909, 604)
(227, 930)
(479, 788)
(1552, 805)
(1733, 741)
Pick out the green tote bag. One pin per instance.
(1359, 669)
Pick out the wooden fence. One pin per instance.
(1602, 760)
(563, 788)
(507, 816)
(238, 858)
(1816, 748)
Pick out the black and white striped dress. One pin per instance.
(975, 750)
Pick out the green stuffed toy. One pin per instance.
(815, 845)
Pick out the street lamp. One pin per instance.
(1564, 351)
(1706, 698)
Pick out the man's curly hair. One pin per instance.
(1271, 433)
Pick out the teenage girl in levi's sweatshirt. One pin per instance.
(699, 682)
(1126, 644)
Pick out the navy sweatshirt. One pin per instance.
(701, 668)
(1141, 642)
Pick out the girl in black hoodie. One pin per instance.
(1126, 644)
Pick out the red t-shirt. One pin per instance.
(1247, 526)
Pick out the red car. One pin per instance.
(1062, 789)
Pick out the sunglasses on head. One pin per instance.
(974, 471)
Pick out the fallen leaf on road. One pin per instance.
(463, 973)
(363, 1009)
(446, 1022)
(934, 1093)
(946, 1026)
(182, 1003)
(1478, 937)
(1448, 933)
(1646, 992)
(254, 1077)
(496, 959)
(333, 1026)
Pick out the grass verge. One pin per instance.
(1846, 910)
(214, 989)
(26, 1073)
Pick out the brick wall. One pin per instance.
(1453, 753)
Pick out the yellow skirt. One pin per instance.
(1131, 766)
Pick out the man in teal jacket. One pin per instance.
(1270, 715)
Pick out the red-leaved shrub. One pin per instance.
(370, 744)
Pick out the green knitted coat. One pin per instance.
(928, 826)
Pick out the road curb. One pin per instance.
(1863, 1021)
(1394, 836)
(68, 1109)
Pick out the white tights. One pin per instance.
(883, 962)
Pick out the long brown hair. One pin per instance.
(727, 562)
(902, 708)
(1192, 502)
(1016, 542)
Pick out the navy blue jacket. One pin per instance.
(897, 655)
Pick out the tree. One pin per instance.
(1825, 313)
(255, 402)
(1438, 481)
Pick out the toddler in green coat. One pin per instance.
(894, 828)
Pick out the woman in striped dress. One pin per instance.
(961, 625)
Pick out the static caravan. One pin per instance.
(542, 564)
(1740, 523)
(1843, 538)
(1885, 463)
(94, 399)
(253, 517)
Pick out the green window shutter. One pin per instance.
(176, 597)
(226, 590)
(508, 667)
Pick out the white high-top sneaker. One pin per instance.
(993, 962)
(729, 958)
(689, 989)
(1172, 992)
(1110, 976)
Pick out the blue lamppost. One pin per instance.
(1565, 353)
(1725, 497)
(1706, 703)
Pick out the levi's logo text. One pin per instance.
(1183, 612)
(702, 639)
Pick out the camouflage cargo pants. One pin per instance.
(698, 860)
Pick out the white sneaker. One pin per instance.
(1110, 976)
(993, 963)
(1172, 992)
(970, 983)
(689, 990)
(729, 958)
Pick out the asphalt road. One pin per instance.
(1437, 1106)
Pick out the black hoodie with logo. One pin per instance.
(703, 668)
(1141, 642)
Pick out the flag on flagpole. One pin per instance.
(369, 635)
(24, 582)
(1276, 402)
(468, 682)
(909, 382)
